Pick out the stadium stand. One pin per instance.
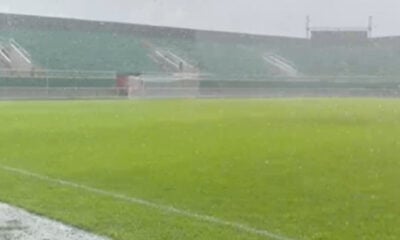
(78, 53)
(65, 44)
(58, 44)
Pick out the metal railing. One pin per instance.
(63, 74)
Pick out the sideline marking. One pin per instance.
(149, 204)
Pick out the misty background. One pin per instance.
(284, 17)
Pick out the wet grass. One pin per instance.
(305, 169)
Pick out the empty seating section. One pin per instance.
(71, 50)
(218, 59)
(372, 60)
(230, 61)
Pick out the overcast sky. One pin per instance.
(273, 17)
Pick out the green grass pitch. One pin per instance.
(301, 169)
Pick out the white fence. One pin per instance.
(182, 92)
(57, 84)
(54, 74)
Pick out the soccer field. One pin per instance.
(207, 169)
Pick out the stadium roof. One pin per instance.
(265, 17)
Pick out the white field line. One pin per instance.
(149, 204)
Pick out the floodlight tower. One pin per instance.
(308, 27)
(370, 26)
